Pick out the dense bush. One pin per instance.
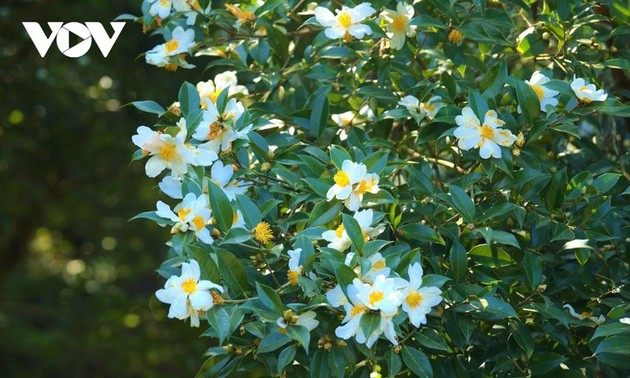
(436, 188)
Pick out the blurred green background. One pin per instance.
(76, 277)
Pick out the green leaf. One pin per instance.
(605, 182)
(271, 342)
(394, 364)
(618, 63)
(384, 95)
(149, 107)
(425, 21)
(610, 329)
(300, 334)
(458, 259)
(370, 321)
(492, 308)
(338, 155)
(420, 232)
(554, 192)
(522, 336)
(417, 362)
(188, 98)
(527, 99)
(491, 256)
(462, 203)
(533, 269)
(219, 321)
(433, 339)
(286, 357)
(376, 161)
(478, 104)
(209, 269)
(324, 212)
(319, 111)
(269, 297)
(250, 211)
(221, 208)
(354, 231)
(236, 235)
(544, 362)
(151, 215)
(233, 271)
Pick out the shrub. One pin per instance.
(436, 188)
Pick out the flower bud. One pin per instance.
(455, 36)
(175, 108)
(520, 140)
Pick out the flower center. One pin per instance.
(583, 89)
(345, 19)
(215, 130)
(183, 213)
(167, 152)
(455, 36)
(375, 297)
(358, 309)
(292, 276)
(172, 45)
(399, 23)
(539, 92)
(487, 132)
(414, 299)
(378, 265)
(189, 285)
(263, 233)
(364, 186)
(341, 178)
(339, 231)
(199, 222)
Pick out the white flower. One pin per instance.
(336, 297)
(383, 296)
(161, 8)
(351, 183)
(306, 320)
(338, 239)
(172, 186)
(398, 24)
(378, 268)
(187, 295)
(586, 315)
(218, 129)
(347, 22)
(182, 41)
(345, 119)
(238, 221)
(487, 137)
(625, 320)
(211, 89)
(166, 151)
(545, 95)
(420, 110)
(191, 214)
(190, 9)
(295, 269)
(221, 175)
(587, 92)
(418, 300)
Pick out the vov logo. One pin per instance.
(61, 32)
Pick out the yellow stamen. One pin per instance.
(292, 276)
(172, 67)
(183, 213)
(455, 36)
(414, 299)
(341, 178)
(378, 265)
(172, 45)
(375, 297)
(167, 152)
(263, 233)
(399, 23)
(364, 186)
(344, 19)
(215, 130)
(217, 299)
(199, 222)
(539, 92)
(339, 231)
(356, 310)
(487, 132)
(189, 285)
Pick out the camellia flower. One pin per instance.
(182, 42)
(172, 186)
(187, 295)
(160, 8)
(487, 137)
(295, 270)
(420, 110)
(221, 175)
(418, 300)
(238, 221)
(585, 315)
(455, 36)
(383, 296)
(166, 151)
(218, 129)
(338, 239)
(398, 24)
(378, 268)
(306, 320)
(211, 89)
(347, 22)
(262, 232)
(191, 214)
(351, 183)
(587, 92)
(345, 119)
(545, 95)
